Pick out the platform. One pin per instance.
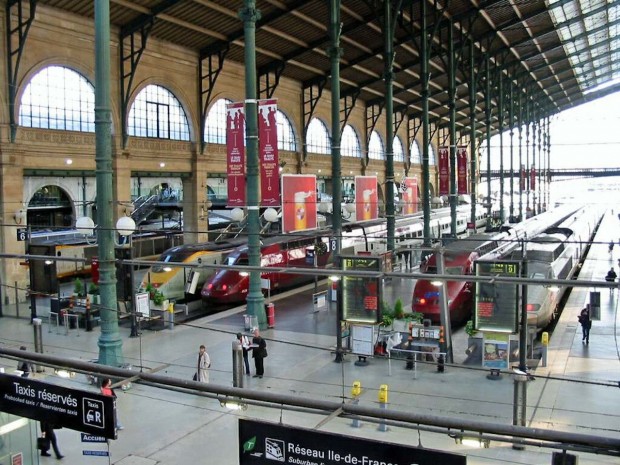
(575, 392)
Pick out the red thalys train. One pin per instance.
(459, 257)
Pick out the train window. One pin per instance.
(453, 270)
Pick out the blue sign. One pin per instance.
(92, 438)
(98, 453)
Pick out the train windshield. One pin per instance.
(237, 260)
(171, 257)
(451, 270)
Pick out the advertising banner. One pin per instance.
(235, 154)
(298, 202)
(84, 411)
(522, 179)
(410, 195)
(361, 296)
(496, 350)
(263, 443)
(444, 171)
(533, 178)
(366, 198)
(461, 163)
(497, 305)
(268, 153)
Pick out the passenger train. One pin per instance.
(459, 258)
(555, 254)
(231, 286)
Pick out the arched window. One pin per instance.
(431, 155)
(156, 112)
(215, 123)
(414, 153)
(286, 136)
(397, 147)
(375, 147)
(58, 98)
(317, 138)
(350, 143)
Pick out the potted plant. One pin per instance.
(78, 291)
(387, 317)
(150, 289)
(159, 301)
(93, 293)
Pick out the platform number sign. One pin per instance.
(497, 304)
(22, 234)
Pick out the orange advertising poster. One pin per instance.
(410, 196)
(298, 202)
(366, 198)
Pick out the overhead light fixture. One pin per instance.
(471, 441)
(20, 216)
(162, 165)
(233, 404)
(62, 373)
(68, 161)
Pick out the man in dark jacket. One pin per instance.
(259, 352)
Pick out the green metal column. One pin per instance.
(540, 171)
(534, 166)
(426, 181)
(527, 155)
(334, 55)
(110, 343)
(521, 171)
(511, 122)
(548, 162)
(388, 34)
(487, 120)
(255, 300)
(500, 117)
(473, 182)
(452, 106)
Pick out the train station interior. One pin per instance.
(115, 131)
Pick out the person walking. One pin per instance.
(586, 324)
(47, 431)
(610, 278)
(245, 346)
(259, 352)
(204, 362)
(106, 390)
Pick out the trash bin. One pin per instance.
(270, 309)
(250, 321)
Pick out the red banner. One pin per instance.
(522, 179)
(461, 163)
(366, 198)
(298, 202)
(410, 196)
(533, 178)
(268, 153)
(444, 171)
(235, 154)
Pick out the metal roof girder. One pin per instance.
(206, 91)
(275, 69)
(138, 23)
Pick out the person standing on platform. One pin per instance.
(204, 363)
(25, 367)
(106, 390)
(586, 324)
(245, 346)
(610, 278)
(259, 352)
(47, 430)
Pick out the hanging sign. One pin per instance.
(299, 202)
(461, 163)
(235, 154)
(268, 153)
(366, 198)
(444, 171)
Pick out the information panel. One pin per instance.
(361, 296)
(70, 408)
(497, 304)
(262, 443)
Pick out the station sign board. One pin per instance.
(262, 443)
(361, 295)
(497, 304)
(75, 409)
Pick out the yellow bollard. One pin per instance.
(356, 391)
(383, 399)
(171, 315)
(544, 339)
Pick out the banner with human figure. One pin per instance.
(444, 171)
(533, 178)
(461, 163)
(522, 179)
(410, 195)
(298, 202)
(235, 154)
(268, 153)
(366, 198)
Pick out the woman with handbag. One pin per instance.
(49, 438)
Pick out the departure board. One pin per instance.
(361, 295)
(497, 304)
